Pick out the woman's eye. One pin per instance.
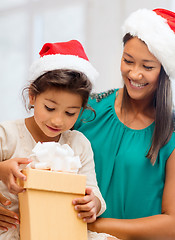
(49, 109)
(148, 67)
(127, 61)
(70, 114)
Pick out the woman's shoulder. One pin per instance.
(168, 148)
(103, 106)
(102, 96)
(101, 102)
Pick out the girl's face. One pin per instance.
(140, 70)
(55, 111)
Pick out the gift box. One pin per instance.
(46, 209)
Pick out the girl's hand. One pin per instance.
(9, 172)
(87, 206)
(8, 219)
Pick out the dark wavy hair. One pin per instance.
(63, 79)
(163, 111)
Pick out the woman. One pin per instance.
(132, 135)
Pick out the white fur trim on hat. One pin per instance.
(156, 33)
(59, 61)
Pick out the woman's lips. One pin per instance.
(137, 85)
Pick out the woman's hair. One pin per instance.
(63, 79)
(163, 111)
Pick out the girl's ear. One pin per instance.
(31, 99)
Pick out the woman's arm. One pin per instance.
(8, 219)
(158, 227)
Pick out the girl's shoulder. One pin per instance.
(9, 137)
(74, 137)
(11, 126)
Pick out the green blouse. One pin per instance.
(131, 186)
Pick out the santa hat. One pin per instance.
(157, 29)
(63, 55)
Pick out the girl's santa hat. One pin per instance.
(63, 55)
(157, 29)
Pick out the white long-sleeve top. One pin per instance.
(16, 141)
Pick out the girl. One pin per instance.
(136, 168)
(59, 88)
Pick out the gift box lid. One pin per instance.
(54, 181)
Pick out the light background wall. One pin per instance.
(27, 24)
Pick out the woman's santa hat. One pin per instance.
(63, 55)
(157, 29)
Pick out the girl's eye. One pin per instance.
(127, 61)
(49, 109)
(148, 67)
(70, 114)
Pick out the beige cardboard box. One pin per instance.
(46, 210)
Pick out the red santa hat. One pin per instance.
(157, 29)
(63, 55)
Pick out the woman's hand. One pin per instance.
(8, 219)
(9, 172)
(87, 206)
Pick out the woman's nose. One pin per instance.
(135, 73)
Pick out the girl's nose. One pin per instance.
(57, 121)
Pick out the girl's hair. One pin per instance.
(63, 79)
(163, 111)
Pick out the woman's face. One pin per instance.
(140, 70)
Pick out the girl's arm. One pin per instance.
(10, 167)
(158, 227)
(88, 206)
(9, 172)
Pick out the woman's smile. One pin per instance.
(137, 85)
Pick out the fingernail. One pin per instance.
(74, 202)
(7, 202)
(76, 208)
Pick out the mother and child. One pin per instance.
(131, 133)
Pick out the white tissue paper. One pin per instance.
(54, 156)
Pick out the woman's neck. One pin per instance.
(134, 114)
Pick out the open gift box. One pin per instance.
(46, 210)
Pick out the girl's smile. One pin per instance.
(54, 129)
